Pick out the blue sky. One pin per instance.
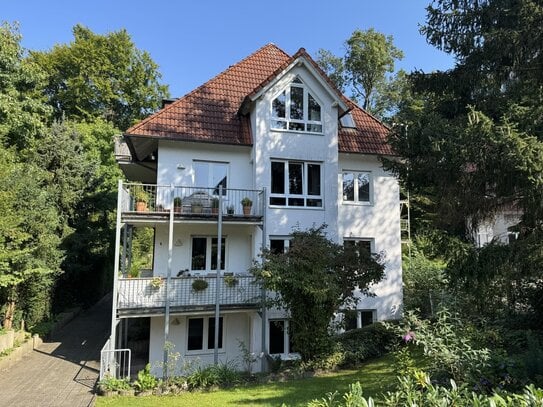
(194, 40)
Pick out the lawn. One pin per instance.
(376, 377)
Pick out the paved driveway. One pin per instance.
(62, 372)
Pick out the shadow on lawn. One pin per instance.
(376, 377)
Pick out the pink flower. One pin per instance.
(409, 336)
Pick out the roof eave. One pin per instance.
(302, 59)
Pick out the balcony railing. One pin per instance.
(141, 293)
(191, 201)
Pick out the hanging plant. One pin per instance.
(199, 285)
(156, 282)
(231, 281)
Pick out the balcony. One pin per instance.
(147, 201)
(139, 296)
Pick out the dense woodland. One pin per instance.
(470, 138)
(59, 111)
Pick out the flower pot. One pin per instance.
(141, 207)
(214, 211)
(247, 210)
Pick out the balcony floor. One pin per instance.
(133, 217)
(180, 310)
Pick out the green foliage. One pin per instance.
(424, 282)
(146, 381)
(223, 374)
(353, 398)
(314, 278)
(448, 346)
(199, 285)
(113, 384)
(29, 245)
(101, 76)
(22, 111)
(365, 343)
(366, 70)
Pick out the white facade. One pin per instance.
(374, 218)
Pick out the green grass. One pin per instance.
(376, 377)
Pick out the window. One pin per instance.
(279, 245)
(360, 245)
(295, 183)
(350, 320)
(279, 340)
(356, 186)
(198, 329)
(211, 175)
(353, 319)
(296, 109)
(204, 253)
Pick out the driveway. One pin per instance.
(63, 371)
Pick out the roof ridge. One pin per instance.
(220, 74)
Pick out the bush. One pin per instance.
(365, 343)
(113, 384)
(223, 374)
(146, 381)
(419, 391)
(448, 346)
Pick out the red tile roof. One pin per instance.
(210, 113)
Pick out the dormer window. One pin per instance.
(296, 109)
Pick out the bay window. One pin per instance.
(295, 183)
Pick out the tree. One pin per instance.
(314, 278)
(474, 143)
(366, 69)
(29, 245)
(23, 112)
(101, 76)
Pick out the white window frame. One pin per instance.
(286, 338)
(210, 165)
(285, 239)
(304, 195)
(371, 240)
(356, 199)
(359, 316)
(205, 335)
(209, 240)
(305, 121)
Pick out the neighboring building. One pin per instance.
(500, 228)
(274, 129)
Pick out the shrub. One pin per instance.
(223, 374)
(146, 381)
(365, 343)
(421, 392)
(447, 347)
(113, 384)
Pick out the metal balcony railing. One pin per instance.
(141, 293)
(191, 201)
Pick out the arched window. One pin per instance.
(296, 109)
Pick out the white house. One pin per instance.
(274, 129)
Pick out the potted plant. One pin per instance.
(231, 281)
(247, 204)
(199, 285)
(215, 206)
(230, 209)
(196, 207)
(156, 282)
(142, 199)
(177, 204)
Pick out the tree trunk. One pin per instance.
(8, 317)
